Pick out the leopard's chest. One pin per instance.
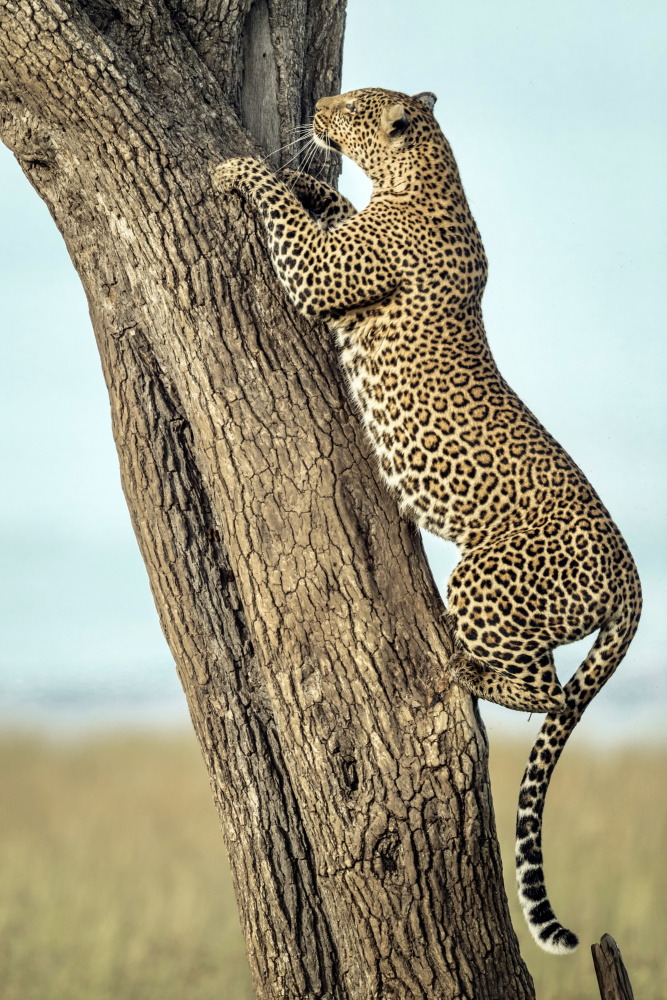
(375, 375)
(360, 345)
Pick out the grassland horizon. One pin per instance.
(116, 885)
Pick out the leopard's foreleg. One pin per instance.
(323, 273)
(326, 206)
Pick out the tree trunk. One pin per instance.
(304, 622)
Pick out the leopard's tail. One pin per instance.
(605, 655)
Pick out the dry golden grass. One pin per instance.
(114, 884)
(114, 877)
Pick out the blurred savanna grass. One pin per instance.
(114, 882)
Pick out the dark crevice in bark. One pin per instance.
(259, 108)
(242, 690)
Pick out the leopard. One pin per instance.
(400, 284)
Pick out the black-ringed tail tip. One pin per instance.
(547, 932)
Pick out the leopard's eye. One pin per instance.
(350, 107)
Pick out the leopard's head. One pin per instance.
(374, 126)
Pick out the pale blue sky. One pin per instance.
(556, 116)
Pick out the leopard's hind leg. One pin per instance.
(504, 689)
(503, 641)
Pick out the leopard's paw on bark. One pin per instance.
(230, 175)
(223, 177)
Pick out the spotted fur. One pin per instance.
(542, 563)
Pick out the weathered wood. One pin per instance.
(612, 976)
(304, 622)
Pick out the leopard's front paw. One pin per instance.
(235, 174)
(225, 176)
(301, 186)
(289, 177)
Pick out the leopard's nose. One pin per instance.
(324, 103)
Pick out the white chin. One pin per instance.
(320, 142)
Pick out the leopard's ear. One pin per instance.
(394, 120)
(426, 97)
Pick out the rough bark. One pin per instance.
(305, 626)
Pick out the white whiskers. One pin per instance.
(310, 145)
